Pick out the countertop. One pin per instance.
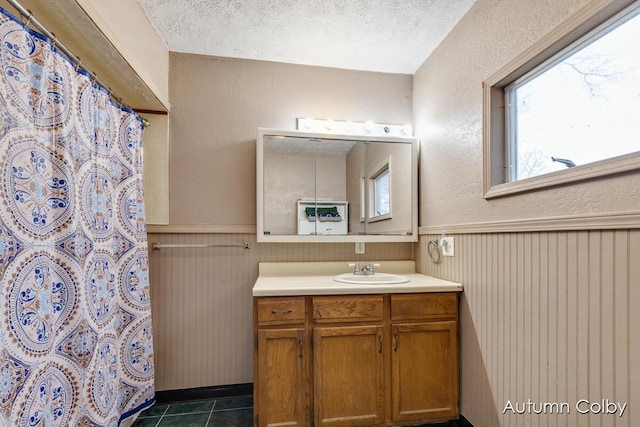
(316, 278)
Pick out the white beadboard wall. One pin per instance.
(202, 305)
(546, 316)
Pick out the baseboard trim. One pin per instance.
(202, 393)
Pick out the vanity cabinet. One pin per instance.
(356, 360)
(424, 367)
(348, 362)
(281, 392)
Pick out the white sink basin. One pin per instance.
(371, 279)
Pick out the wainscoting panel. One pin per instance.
(202, 304)
(546, 317)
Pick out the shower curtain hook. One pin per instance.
(53, 40)
(29, 18)
(94, 80)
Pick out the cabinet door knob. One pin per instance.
(281, 311)
(395, 340)
(379, 343)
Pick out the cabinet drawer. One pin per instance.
(280, 311)
(424, 306)
(359, 308)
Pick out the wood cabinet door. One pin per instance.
(348, 375)
(282, 391)
(424, 372)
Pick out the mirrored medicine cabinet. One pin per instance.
(336, 188)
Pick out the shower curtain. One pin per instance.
(75, 317)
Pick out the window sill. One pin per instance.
(603, 168)
(380, 218)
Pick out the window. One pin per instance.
(380, 193)
(571, 117)
(363, 205)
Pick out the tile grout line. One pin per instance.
(209, 418)
(162, 416)
(235, 409)
(211, 413)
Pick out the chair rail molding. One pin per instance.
(600, 221)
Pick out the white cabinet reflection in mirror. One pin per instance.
(322, 217)
(335, 188)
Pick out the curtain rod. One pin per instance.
(26, 13)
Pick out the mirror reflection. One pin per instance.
(336, 186)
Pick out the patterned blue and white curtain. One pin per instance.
(75, 317)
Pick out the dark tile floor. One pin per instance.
(222, 412)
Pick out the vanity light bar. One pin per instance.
(353, 128)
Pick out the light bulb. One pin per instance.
(329, 124)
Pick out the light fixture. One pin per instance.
(305, 124)
(369, 128)
(328, 125)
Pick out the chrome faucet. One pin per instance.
(368, 269)
(356, 268)
(364, 271)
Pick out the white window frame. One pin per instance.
(363, 206)
(495, 139)
(384, 166)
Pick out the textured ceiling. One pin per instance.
(394, 36)
(306, 146)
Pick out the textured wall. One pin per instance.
(202, 305)
(156, 169)
(218, 103)
(136, 39)
(545, 316)
(448, 120)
